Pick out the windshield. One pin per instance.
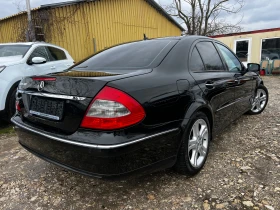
(135, 55)
(13, 50)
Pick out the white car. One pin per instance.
(18, 60)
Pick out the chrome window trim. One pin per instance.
(50, 95)
(95, 146)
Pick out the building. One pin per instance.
(254, 46)
(86, 26)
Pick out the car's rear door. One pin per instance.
(216, 82)
(245, 82)
(58, 59)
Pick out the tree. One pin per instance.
(206, 17)
(20, 5)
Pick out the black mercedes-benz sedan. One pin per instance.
(138, 107)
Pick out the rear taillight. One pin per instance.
(112, 109)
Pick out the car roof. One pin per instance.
(34, 44)
(17, 43)
(185, 37)
(30, 43)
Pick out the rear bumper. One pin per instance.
(140, 155)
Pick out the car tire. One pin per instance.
(10, 104)
(194, 148)
(260, 100)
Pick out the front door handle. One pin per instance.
(209, 85)
(53, 67)
(232, 82)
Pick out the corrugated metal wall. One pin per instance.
(11, 29)
(108, 22)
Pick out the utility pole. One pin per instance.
(30, 32)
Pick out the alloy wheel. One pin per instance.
(259, 101)
(198, 143)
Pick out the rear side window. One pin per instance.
(56, 54)
(210, 56)
(134, 55)
(196, 63)
(39, 52)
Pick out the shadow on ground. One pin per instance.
(4, 124)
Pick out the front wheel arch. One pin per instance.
(262, 87)
(14, 86)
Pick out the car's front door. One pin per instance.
(245, 81)
(43, 68)
(216, 82)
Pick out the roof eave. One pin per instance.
(246, 32)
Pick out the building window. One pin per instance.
(270, 49)
(242, 50)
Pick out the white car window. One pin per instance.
(39, 52)
(56, 54)
(13, 50)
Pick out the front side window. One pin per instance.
(210, 56)
(39, 52)
(13, 50)
(231, 61)
(196, 63)
(56, 54)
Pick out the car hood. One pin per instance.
(10, 60)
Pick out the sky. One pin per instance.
(257, 14)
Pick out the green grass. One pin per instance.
(7, 130)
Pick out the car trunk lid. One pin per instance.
(58, 102)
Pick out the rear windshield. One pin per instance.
(13, 50)
(136, 55)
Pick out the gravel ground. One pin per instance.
(242, 172)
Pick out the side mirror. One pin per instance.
(38, 60)
(254, 67)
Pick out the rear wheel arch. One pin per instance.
(192, 110)
(199, 107)
(183, 163)
(208, 113)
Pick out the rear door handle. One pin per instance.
(53, 67)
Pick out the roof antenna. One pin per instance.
(145, 37)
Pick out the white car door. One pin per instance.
(58, 58)
(43, 68)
